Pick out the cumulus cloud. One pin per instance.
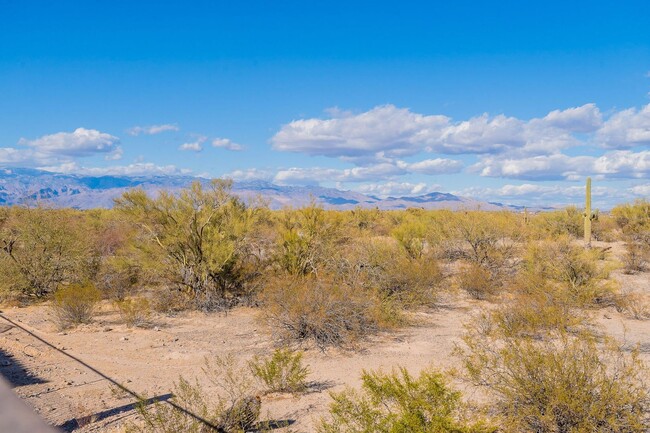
(641, 190)
(536, 194)
(226, 143)
(626, 129)
(250, 174)
(376, 172)
(388, 131)
(435, 166)
(386, 128)
(194, 146)
(586, 118)
(397, 189)
(615, 164)
(80, 142)
(151, 129)
(115, 155)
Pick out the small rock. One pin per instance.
(124, 338)
(606, 316)
(128, 380)
(155, 328)
(108, 329)
(62, 333)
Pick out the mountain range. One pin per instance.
(25, 186)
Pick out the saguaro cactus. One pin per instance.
(589, 215)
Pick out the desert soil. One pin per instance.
(149, 361)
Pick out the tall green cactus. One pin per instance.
(589, 216)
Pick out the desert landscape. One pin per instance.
(427, 287)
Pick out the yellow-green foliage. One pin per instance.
(134, 311)
(380, 265)
(580, 276)
(478, 282)
(75, 304)
(565, 384)
(307, 239)
(283, 371)
(566, 222)
(42, 248)
(634, 222)
(201, 236)
(400, 403)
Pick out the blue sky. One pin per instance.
(509, 101)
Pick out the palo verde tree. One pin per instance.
(42, 248)
(200, 236)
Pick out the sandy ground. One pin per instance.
(148, 361)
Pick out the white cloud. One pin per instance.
(539, 195)
(586, 118)
(194, 146)
(226, 143)
(615, 164)
(388, 131)
(435, 166)
(388, 189)
(641, 190)
(626, 129)
(80, 142)
(395, 131)
(115, 155)
(250, 174)
(151, 129)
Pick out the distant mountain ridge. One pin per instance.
(31, 186)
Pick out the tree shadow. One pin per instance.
(15, 372)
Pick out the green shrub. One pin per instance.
(281, 372)
(398, 402)
(75, 304)
(564, 384)
(134, 311)
(579, 275)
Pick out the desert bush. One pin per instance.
(566, 222)
(234, 408)
(283, 371)
(478, 282)
(321, 310)
(637, 254)
(307, 240)
(43, 248)
(381, 265)
(411, 235)
(201, 236)
(633, 305)
(579, 275)
(399, 402)
(134, 311)
(563, 384)
(75, 304)
(634, 222)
